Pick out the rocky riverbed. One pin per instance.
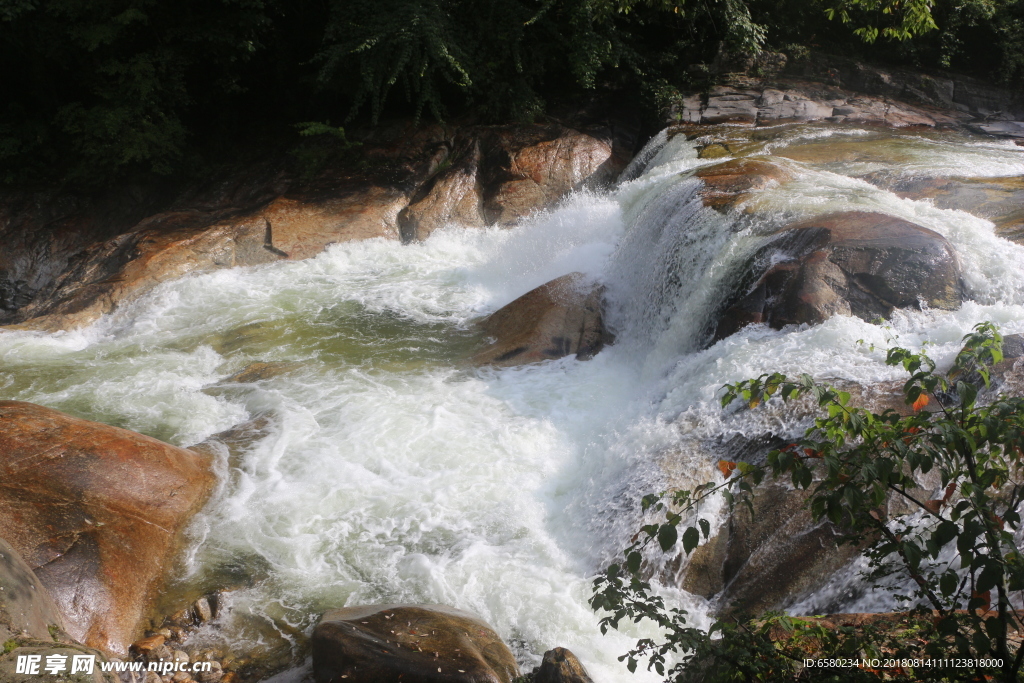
(437, 378)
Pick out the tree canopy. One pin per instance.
(99, 89)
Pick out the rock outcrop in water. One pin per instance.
(1001, 200)
(66, 261)
(498, 175)
(561, 318)
(410, 643)
(852, 263)
(95, 511)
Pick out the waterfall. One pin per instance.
(387, 470)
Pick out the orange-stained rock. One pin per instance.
(726, 184)
(527, 169)
(95, 511)
(452, 197)
(562, 317)
(849, 263)
(408, 643)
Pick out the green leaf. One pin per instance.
(691, 539)
(633, 560)
(989, 577)
(948, 583)
(667, 535)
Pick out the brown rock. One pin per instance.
(95, 511)
(414, 644)
(557, 319)
(454, 195)
(26, 608)
(529, 169)
(1000, 200)
(851, 263)
(764, 561)
(561, 666)
(147, 646)
(728, 183)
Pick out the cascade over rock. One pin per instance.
(95, 511)
(563, 317)
(1000, 200)
(852, 263)
(66, 261)
(411, 643)
(728, 183)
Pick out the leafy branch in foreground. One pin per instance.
(956, 551)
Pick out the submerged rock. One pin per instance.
(730, 182)
(1000, 200)
(560, 318)
(95, 511)
(852, 263)
(411, 643)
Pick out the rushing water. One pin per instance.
(389, 470)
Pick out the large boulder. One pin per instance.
(851, 263)
(499, 175)
(410, 643)
(95, 511)
(563, 317)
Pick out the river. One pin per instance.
(390, 470)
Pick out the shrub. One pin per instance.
(853, 461)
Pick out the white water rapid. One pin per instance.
(391, 471)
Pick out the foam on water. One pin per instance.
(392, 471)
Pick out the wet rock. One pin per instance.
(415, 644)
(561, 666)
(525, 170)
(560, 318)
(769, 559)
(203, 610)
(851, 263)
(730, 182)
(1000, 200)
(453, 196)
(95, 511)
(1002, 129)
(26, 608)
(66, 265)
(148, 646)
